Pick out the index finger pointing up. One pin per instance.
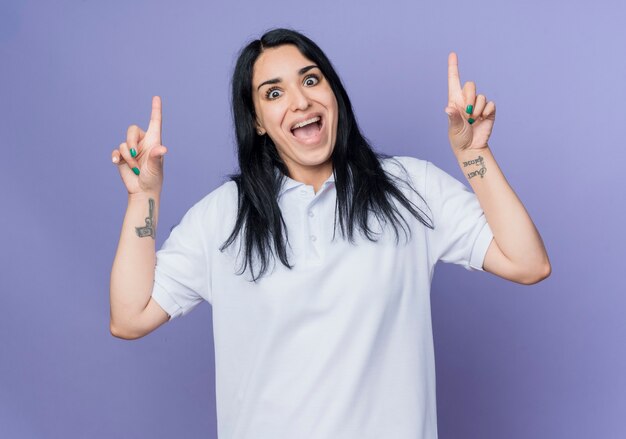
(154, 127)
(454, 82)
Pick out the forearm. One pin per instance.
(132, 274)
(512, 227)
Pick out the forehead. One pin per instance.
(278, 62)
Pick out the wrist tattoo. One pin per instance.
(478, 162)
(148, 229)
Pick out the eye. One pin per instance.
(272, 93)
(311, 80)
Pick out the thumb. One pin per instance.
(455, 120)
(157, 152)
(155, 157)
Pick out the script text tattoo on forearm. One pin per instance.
(478, 162)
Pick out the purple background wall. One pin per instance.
(545, 361)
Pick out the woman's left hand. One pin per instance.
(467, 130)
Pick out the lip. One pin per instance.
(312, 140)
(302, 119)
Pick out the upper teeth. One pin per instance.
(306, 122)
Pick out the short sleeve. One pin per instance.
(461, 234)
(181, 273)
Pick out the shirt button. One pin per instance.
(311, 214)
(313, 238)
(302, 192)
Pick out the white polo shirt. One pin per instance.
(341, 345)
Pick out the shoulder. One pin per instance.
(400, 166)
(406, 169)
(423, 173)
(405, 163)
(217, 207)
(432, 182)
(223, 195)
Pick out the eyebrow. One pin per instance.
(302, 71)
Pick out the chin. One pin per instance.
(313, 158)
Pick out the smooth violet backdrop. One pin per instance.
(543, 361)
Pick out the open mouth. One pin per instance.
(308, 131)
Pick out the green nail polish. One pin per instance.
(133, 152)
(471, 121)
(469, 109)
(136, 171)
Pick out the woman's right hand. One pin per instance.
(142, 173)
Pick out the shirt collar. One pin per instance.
(289, 183)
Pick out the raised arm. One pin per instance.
(140, 163)
(517, 252)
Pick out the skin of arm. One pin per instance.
(517, 252)
(132, 274)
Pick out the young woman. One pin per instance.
(317, 257)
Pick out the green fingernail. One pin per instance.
(471, 121)
(469, 109)
(136, 171)
(133, 152)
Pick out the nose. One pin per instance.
(299, 100)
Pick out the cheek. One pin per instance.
(331, 104)
(335, 110)
(273, 118)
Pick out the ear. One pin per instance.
(259, 129)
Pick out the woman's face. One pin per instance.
(296, 107)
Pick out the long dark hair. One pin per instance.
(362, 186)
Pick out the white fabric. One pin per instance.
(340, 346)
